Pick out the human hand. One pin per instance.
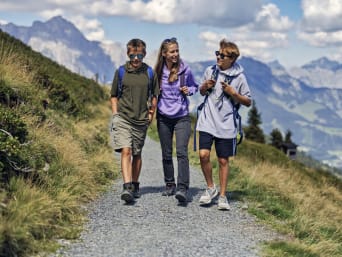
(184, 90)
(114, 121)
(228, 89)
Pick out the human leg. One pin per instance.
(224, 149)
(223, 174)
(182, 132)
(126, 170)
(122, 142)
(126, 164)
(205, 143)
(165, 131)
(139, 136)
(136, 168)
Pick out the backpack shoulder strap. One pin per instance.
(150, 75)
(120, 77)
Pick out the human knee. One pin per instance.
(223, 161)
(204, 156)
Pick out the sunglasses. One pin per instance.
(169, 40)
(139, 56)
(222, 56)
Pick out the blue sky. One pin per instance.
(294, 32)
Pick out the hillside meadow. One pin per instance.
(55, 158)
(54, 151)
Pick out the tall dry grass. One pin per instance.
(13, 67)
(316, 221)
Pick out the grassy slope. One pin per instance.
(301, 202)
(52, 160)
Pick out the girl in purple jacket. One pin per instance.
(176, 84)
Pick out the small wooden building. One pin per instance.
(290, 149)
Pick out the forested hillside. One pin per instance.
(54, 153)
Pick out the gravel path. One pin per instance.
(156, 225)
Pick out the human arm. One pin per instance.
(152, 109)
(244, 99)
(206, 86)
(114, 93)
(190, 87)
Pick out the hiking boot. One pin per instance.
(223, 203)
(136, 190)
(181, 195)
(127, 194)
(170, 189)
(208, 195)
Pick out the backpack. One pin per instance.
(150, 75)
(236, 107)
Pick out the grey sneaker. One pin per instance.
(127, 193)
(127, 196)
(181, 195)
(223, 203)
(208, 195)
(170, 189)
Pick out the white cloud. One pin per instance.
(269, 19)
(229, 13)
(321, 15)
(3, 22)
(91, 28)
(322, 38)
(257, 39)
(47, 14)
(321, 26)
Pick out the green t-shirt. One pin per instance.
(133, 104)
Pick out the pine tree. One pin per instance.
(288, 136)
(253, 131)
(276, 138)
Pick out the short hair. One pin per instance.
(230, 47)
(136, 43)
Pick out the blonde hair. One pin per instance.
(230, 48)
(160, 61)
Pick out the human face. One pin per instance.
(171, 55)
(224, 60)
(136, 56)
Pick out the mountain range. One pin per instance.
(306, 100)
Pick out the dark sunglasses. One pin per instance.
(139, 56)
(169, 40)
(222, 56)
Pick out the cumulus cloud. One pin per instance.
(91, 28)
(321, 15)
(269, 19)
(268, 31)
(256, 45)
(256, 27)
(230, 13)
(322, 38)
(320, 26)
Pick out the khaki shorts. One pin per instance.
(126, 134)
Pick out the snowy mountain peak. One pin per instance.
(323, 63)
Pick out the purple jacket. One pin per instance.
(171, 102)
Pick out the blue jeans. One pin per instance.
(182, 129)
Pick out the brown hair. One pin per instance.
(160, 61)
(136, 43)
